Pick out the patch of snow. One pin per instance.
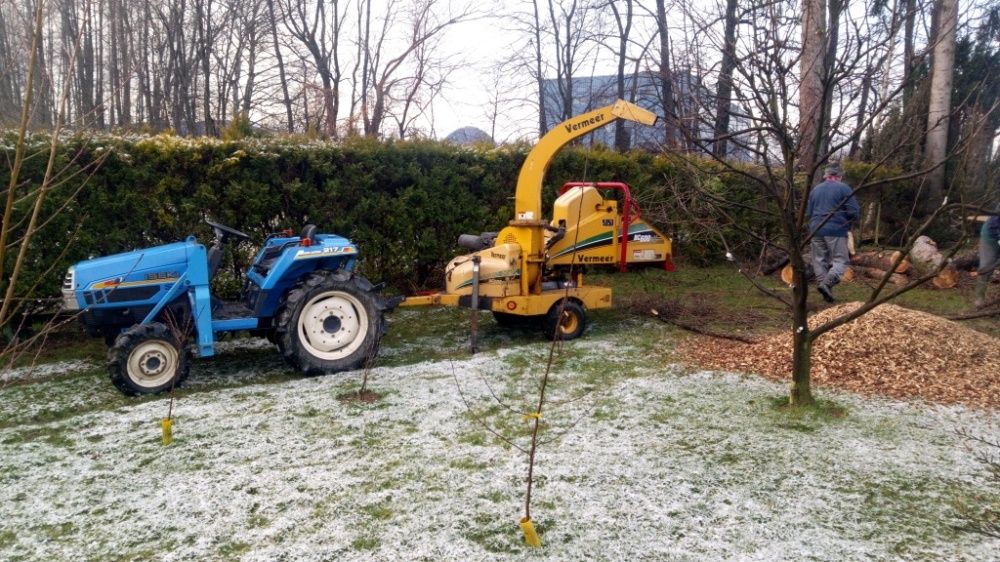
(31, 372)
(659, 466)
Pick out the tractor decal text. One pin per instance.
(325, 252)
(584, 123)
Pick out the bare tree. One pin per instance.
(384, 77)
(318, 27)
(764, 85)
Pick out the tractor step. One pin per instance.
(231, 311)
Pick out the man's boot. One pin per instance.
(982, 282)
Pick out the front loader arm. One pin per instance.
(528, 197)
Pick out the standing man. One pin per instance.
(989, 252)
(832, 209)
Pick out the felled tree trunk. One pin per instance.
(881, 260)
(878, 274)
(967, 262)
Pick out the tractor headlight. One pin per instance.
(69, 291)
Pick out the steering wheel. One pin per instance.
(222, 231)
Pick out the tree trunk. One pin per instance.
(540, 79)
(666, 79)
(942, 73)
(879, 274)
(41, 115)
(881, 260)
(285, 98)
(800, 393)
(910, 15)
(836, 9)
(725, 89)
(866, 86)
(622, 143)
(811, 91)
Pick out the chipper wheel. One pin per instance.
(331, 321)
(569, 326)
(146, 359)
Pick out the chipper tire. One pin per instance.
(331, 321)
(570, 326)
(147, 359)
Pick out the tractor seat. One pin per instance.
(214, 260)
(270, 256)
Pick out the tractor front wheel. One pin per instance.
(147, 359)
(565, 321)
(329, 322)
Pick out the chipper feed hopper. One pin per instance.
(533, 269)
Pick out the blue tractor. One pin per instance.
(301, 292)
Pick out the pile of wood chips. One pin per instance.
(890, 351)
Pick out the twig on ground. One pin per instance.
(702, 331)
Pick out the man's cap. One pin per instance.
(834, 169)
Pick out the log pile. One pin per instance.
(891, 351)
(873, 266)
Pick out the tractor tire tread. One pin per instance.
(126, 341)
(286, 321)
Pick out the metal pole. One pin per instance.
(474, 320)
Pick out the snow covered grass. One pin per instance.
(655, 462)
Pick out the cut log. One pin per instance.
(947, 279)
(925, 255)
(787, 274)
(926, 258)
(878, 274)
(881, 260)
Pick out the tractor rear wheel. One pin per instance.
(147, 359)
(329, 322)
(565, 326)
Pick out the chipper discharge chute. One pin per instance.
(533, 268)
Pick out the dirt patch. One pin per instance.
(891, 351)
(366, 397)
(695, 308)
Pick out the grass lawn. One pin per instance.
(644, 459)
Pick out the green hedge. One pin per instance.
(403, 203)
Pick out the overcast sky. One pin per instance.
(479, 45)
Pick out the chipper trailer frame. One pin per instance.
(527, 270)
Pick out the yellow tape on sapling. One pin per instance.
(168, 433)
(531, 537)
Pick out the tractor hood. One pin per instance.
(137, 269)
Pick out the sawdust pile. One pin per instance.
(890, 351)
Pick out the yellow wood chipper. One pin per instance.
(533, 269)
